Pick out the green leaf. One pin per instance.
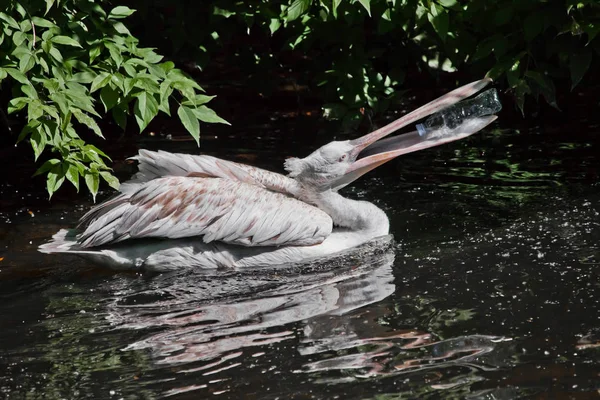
(49, 4)
(109, 97)
(181, 81)
(77, 88)
(44, 65)
(51, 128)
(100, 81)
(20, 51)
(51, 85)
(95, 52)
(17, 104)
(205, 114)
(130, 69)
(34, 110)
(147, 83)
(222, 12)
(18, 38)
(438, 17)
(186, 90)
(28, 129)
(70, 133)
(128, 84)
(545, 85)
(17, 75)
(366, 5)
(80, 97)
(25, 25)
(44, 23)
(198, 100)
(47, 166)
(274, 25)
(92, 181)
(55, 179)
(513, 74)
(505, 64)
(119, 114)
(156, 71)
(26, 63)
(38, 141)
(165, 93)
(448, 3)
(152, 57)
(29, 91)
(177, 75)
(84, 77)
(335, 5)
(94, 8)
(120, 12)
(80, 166)
(121, 28)
(87, 121)
(190, 122)
(145, 109)
(73, 175)
(112, 181)
(65, 40)
(20, 9)
(93, 150)
(61, 100)
(521, 89)
(167, 66)
(578, 65)
(9, 20)
(297, 9)
(115, 53)
(56, 54)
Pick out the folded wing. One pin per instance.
(216, 209)
(157, 164)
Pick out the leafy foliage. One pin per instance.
(68, 62)
(357, 52)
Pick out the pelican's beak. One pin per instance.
(370, 151)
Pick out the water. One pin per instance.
(489, 289)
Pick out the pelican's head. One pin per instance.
(339, 163)
(324, 166)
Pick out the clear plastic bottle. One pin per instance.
(443, 123)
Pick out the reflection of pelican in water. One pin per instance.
(209, 328)
(403, 352)
(246, 216)
(212, 321)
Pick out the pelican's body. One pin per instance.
(199, 211)
(268, 218)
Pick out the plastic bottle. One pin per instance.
(443, 123)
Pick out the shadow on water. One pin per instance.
(489, 291)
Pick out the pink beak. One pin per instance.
(371, 152)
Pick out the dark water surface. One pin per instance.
(489, 289)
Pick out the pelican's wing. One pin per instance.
(157, 164)
(216, 209)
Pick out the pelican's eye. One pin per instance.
(343, 158)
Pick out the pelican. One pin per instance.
(184, 210)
